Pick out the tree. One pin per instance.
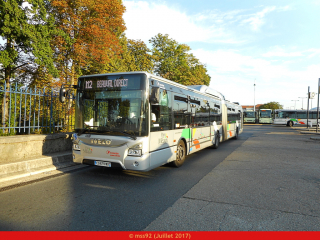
(89, 38)
(135, 56)
(26, 28)
(172, 61)
(271, 105)
(143, 60)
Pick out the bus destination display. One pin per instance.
(90, 84)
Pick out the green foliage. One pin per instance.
(271, 105)
(46, 39)
(143, 60)
(121, 62)
(135, 56)
(27, 30)
(88, 39)
(172, 61)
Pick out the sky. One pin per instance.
(274, 44)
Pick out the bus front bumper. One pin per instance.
(130, 163)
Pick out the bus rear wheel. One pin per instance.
(290, 124)
(181, 154)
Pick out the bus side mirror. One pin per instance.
(155, 95)
(62, 94)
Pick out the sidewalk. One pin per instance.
(17, 172)
(270, 183)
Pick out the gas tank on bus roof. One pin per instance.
(207, 90)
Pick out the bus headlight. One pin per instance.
(76, 147)
(136, 150)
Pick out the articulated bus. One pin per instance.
(294, 117)
(265, 116)
(249, 116)
(139, 121)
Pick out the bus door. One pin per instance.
(161, 138)
(200, 123)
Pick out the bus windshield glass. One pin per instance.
(265, 113)
(249, 114)
(112, 105)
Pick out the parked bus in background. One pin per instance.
(139, 121)
(265, 116)
(294, 117)
(249, 116)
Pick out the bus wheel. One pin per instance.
(216, 141)
(290, 124)
(181, 154)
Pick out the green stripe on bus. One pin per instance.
(293, 120)
(186, 133)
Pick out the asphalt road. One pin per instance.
(102, 199)
(267, 170)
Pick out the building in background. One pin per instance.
(250, 107)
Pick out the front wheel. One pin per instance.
(290, 124)
(181, 154)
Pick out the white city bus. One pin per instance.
(249, 116)
(139, 121)
(265, 116)
(294, 117)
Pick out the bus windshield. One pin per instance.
(249, 114)
(265, 113)
(112, 105)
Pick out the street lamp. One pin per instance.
(295, 101)
(302, 101)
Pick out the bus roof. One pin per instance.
(200, 88)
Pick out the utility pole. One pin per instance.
(254, 95)
(302, 101)
(308, 107)
(295, 101)
(318, 105)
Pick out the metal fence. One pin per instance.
(26, 111)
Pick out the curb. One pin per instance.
(310, 132)
(315, 138)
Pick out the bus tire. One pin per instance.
(290, 124)
(181, 154)
(216, 141)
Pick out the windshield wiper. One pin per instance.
(118, 131)
(84, 130)
(109, 131)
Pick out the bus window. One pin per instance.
(180, 111)
(291, 114)
(202, 114)
(302, 115)
(162, 113)
(215, 113)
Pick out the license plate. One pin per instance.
(102, 164)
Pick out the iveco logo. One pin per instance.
(101, 141)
